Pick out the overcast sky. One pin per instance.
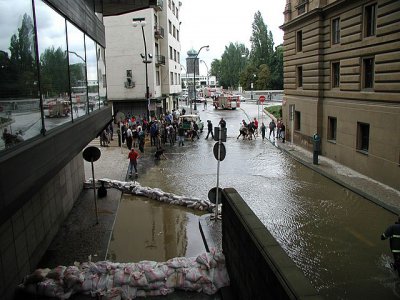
(219, 22)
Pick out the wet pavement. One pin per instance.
(81, 236)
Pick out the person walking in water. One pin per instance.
(133, 156)
(393, 233)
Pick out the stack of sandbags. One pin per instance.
(205, 273)
(134, 188)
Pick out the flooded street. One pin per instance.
(331, 233)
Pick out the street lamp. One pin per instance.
(194, 73)
(207, 71)
(147, 59)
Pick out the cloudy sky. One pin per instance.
(219, 22)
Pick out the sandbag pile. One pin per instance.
(134, 187)
(205, 273)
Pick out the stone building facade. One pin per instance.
(342, 81)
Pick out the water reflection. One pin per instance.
(149, 230)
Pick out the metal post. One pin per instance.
(147, 76)
(218, 163)
(94, 193)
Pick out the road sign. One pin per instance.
(261, 98)
(91, 154)
(212, 194)
(219, 147)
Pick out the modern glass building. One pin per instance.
(53, 102)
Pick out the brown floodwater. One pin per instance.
(149, 230)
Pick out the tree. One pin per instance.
(21, 79)
(216, 69)
(277, 69)
(54, 72)
(262, 43)
(231, 64)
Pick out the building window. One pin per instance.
(297, 120)
(368, 73)
(336, 31)
(177, 13)
(171, 75)
(332, 125)
(299, 76)
(299, 41)
(171, 53)
(158, 78)
(174, 32)
(335, 75)
(170, 27)
(175, 55)
(169, 4)
(370, 20)
(301, 7)
(362, 136)
(173, 8)
(177, 35)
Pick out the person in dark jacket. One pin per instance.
(210, 129)
(393, 233)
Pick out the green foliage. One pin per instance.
(54, 71)
(262, 65)
(275, 110)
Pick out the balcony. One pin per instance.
(158, 32)
(160, 60)
(156, 4)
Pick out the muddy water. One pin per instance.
(330, 233)
(149, 230)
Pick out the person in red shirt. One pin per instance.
(133, 156)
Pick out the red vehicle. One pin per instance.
(227, 102)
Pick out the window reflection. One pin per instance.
(20, 117)
(101, 65)
(77, 70)
(91, 65)
(53, 66)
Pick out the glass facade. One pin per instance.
(51, 73)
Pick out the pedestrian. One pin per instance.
(222, 123)
(205, 103)
(255, 125)
(263, 128)
(195, 131)
(278, 129)
(129, 138)
(283, 128)
(272, 126)
(133, 156)
(141, 139)
(210, 129)
(393, 233)
(181, 135)
(183, 111)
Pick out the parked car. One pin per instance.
(242, 99)
(186, 120)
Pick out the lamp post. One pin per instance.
(207, 70)
(186, 83)
(194, 73)
(146, 60)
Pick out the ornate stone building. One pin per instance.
(342, 81)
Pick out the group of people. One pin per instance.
(11, 139)
(250, 130)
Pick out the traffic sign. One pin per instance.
(261, 98)
(212, 194)
(219, 148)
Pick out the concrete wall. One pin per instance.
(27, 234)
(257, 265)
(40, 182)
